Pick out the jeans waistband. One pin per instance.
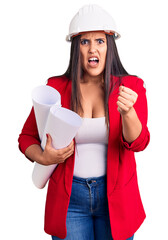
(101, 179)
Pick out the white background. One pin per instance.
(33, 48)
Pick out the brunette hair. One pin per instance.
(113, 67)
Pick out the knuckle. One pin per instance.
(69, 148)
(60, 152)
(46, 148)
(62, 158)
(130, 104)
(62, 161)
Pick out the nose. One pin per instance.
(92, 48)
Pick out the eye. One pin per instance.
(100, 41)
(84, 41)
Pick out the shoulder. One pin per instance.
(128, 81)
(59, 82)
(133, 82)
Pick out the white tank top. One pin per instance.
(91, 148)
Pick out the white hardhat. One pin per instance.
(92, 18)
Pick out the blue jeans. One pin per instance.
(88, 216)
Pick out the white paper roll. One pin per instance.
(62, 124)
(41, 174)
(43, 98)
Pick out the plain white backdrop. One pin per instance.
(32, 49)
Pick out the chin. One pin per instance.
(94, 73)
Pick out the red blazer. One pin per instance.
(125, 207)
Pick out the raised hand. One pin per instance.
(126, 99)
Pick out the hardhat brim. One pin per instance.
(116, 35)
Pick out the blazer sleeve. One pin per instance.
(141, 109)
(29, 134)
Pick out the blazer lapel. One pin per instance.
(113, 143)
(69, 163)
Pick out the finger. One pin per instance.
(63, 151)
(70, 147)
(49, 140)
(122, 107)
(127, 102)
(119, 109)
(127, 90)
(128, 96)
(66, 155)
(123, 89)
(71, 144)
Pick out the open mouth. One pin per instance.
(93, 60)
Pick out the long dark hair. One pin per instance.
(113, 67)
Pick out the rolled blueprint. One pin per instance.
(43, 98)
(62, 124)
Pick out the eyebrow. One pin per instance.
(102, 38)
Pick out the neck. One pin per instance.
(92, 79)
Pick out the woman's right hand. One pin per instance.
(51, 155)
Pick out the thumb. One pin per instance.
(49, 140)
(119, 109)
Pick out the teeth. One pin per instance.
(93, 59)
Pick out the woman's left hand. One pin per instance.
(126, 99)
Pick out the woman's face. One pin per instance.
(93, 49)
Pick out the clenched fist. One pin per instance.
(126, 99)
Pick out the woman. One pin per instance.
(93, 193)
